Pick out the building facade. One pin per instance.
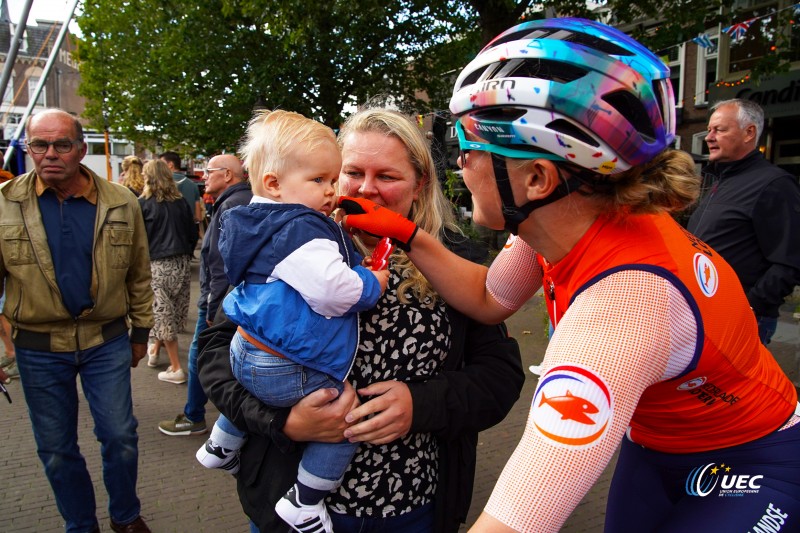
(60, 90)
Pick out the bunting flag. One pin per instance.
(737, 31)
(705, 41)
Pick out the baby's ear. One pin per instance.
(271, 185)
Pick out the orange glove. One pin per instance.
(368, 216)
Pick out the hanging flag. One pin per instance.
(705, 41)
(419, 120)
(737, 31)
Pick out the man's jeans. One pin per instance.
(195, 409)
(766, 328)
(51, 392)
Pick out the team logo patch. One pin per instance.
(572, 406)
(706, 274)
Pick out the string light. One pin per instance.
(744, 79)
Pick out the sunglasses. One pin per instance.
(465, 146)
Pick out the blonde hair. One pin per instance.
(667, 183)
(431, 210)
(158, 182)
(132, 167)
(273, 137)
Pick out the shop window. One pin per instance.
(707, 69)
(674, 58)
(97, 148)
(122, 149)
(699, 145)
(33, 81)
(8, 97)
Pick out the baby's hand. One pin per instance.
(383, 278)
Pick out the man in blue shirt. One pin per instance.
(76, 268)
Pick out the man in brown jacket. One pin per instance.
(74, 259)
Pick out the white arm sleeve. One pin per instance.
(624, 333)
(515, 275)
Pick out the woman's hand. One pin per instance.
(391, 411)
(320, 416)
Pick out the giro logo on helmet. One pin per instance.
(493, 85)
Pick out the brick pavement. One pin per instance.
(178, 495)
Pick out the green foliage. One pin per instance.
(187, 74)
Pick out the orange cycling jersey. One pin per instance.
(653, 335)
(732, 390)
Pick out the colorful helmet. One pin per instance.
(578, 89)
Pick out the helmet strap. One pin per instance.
(515, 215)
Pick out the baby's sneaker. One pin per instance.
(302, 517)
(212, 455)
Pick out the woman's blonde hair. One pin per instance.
(272, 138)
(158, 182)
(431, 211)
(132, 167)
(668, 183)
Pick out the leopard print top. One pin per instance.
(403, 342)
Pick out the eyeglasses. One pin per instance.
(465, 146)
(62, 146)
(209, 170)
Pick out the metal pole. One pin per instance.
(40, 86)
(11, 58)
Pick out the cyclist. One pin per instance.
(565, 127)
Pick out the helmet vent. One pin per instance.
(595, 43)
(544, 69)
(571, 130)
(632, 109)
(561, 34)
(500, 114)
(474, 76)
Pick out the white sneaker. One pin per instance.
(177, 377)
(301, 517)
(212, 455)
(152, 356)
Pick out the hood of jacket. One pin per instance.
(246, 229)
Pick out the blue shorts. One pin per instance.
(750, 487)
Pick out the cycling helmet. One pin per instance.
(578, 89)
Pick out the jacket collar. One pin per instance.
(230, 190)
(733, 168)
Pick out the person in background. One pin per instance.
(132, 171)
(430, 379)
(172, 238)
(77, 276)
(298, 288)
(191, 193)
(225, 181)
(188, 188)
(750, 213)
(564, 127)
